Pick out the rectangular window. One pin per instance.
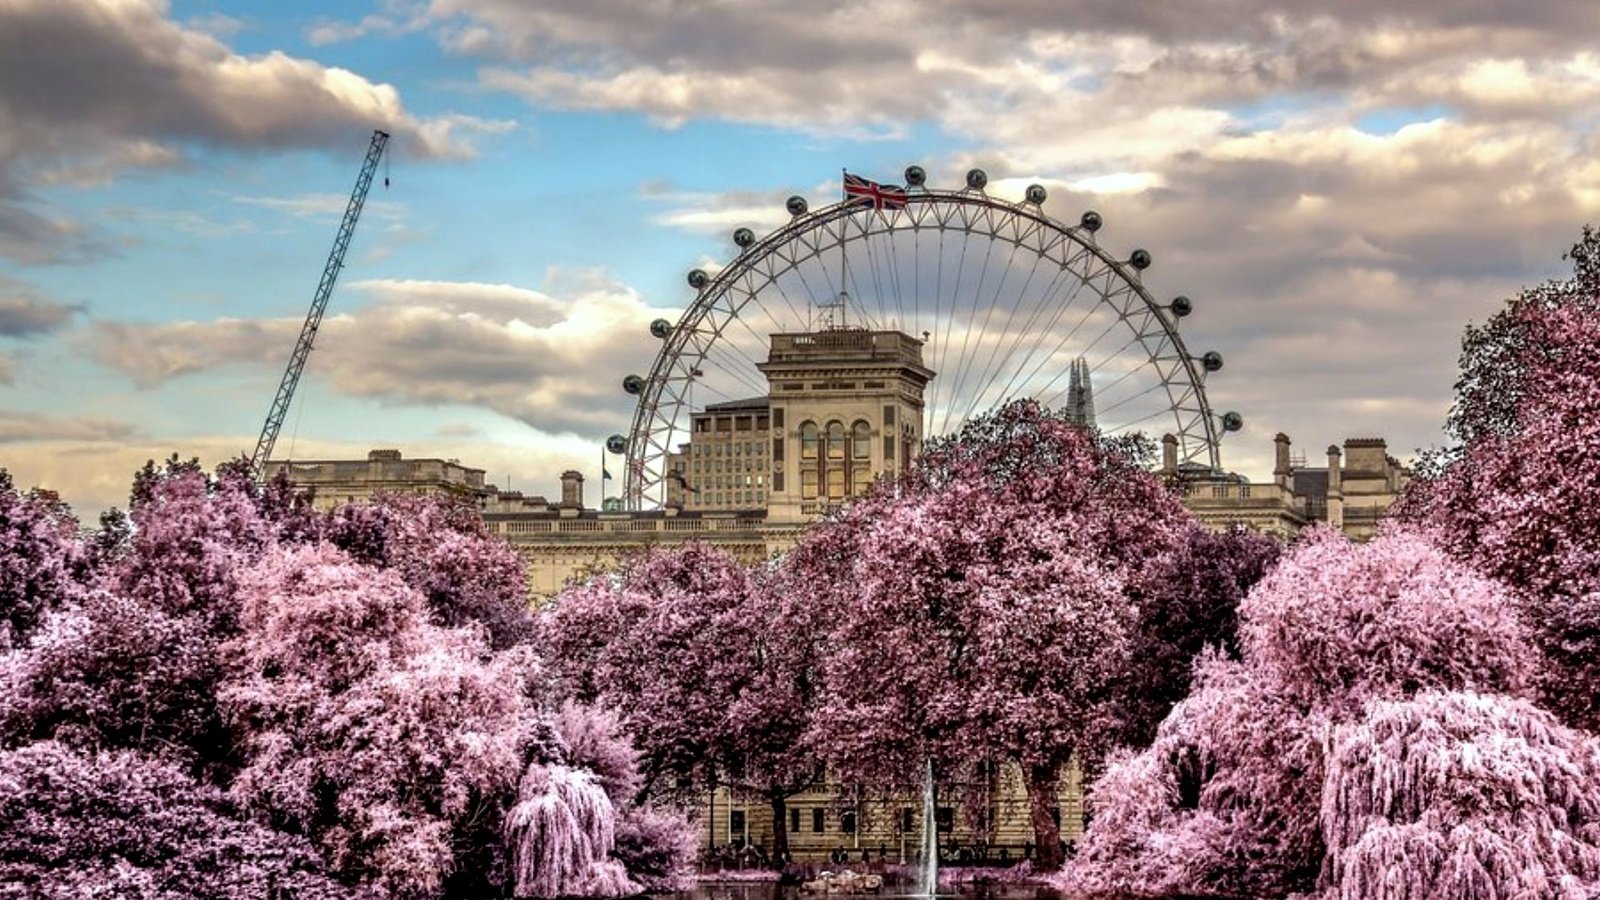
(888, 449)
(817, 818)
(861, 481)
(777, 481)
(777, 418)
(736, 825)
(888, 417)
(847, 821)
(794, 820)
(907, 820)
(836, 483)
(808, 484)
(947, 819)
(777, 449)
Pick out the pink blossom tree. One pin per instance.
(111, 671)
(711, 678)
(982, 608)
(1517, 498)
(1460, 795)
(440, 546)
(119, 824)
(1226, 798)
(1189, 601)
(652, 643)
(38, 554)
(376, 734)
(657, 847)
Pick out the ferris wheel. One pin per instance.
(1008, 302)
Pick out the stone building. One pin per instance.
(337, 481)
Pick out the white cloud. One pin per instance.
(549, 361)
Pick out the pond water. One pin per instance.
(771, 890)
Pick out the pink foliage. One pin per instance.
(595, 741)
(654, 644)
(1225, 800)
(111, 671)
(658, 848)
(364, 726)
(1458, 795)
(440, 546)
(982, 610)
(1337, 624)
(1188, 601)
(1519, 504)
(38, 553)
(191, 538)
(561, 832)
(118, 824)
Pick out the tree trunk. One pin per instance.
(1044, 795)
(780, 829)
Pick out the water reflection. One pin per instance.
(771, 890)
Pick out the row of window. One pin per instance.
(834, 462)
(740, 499)
(715, 465)
(738, 448)
(854, 445)
(944, 815)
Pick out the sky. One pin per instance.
(1340, 186)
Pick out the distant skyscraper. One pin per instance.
(1080, 394)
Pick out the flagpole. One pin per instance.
(839, 300)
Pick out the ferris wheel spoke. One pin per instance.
(965, 363)
(982, 381)
(1045, 359)
(1046, 300)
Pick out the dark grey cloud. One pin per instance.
(24, 314)
(93, 88)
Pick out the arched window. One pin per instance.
(859, 473)
(808, 440)
(835, 479)
(861, 442)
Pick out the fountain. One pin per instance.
(928, 881)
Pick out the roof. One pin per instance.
(748, 403)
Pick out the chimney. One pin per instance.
(1335, 489)
(1169, 455)
(571, 489)
(1282, 469)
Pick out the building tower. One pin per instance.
(1080, 395)
(846, 406)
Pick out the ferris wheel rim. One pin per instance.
(1196, 427)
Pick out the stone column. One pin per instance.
(1335, 489)
(571, 489)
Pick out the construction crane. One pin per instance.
(319, 302)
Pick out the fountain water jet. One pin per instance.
(928, 879)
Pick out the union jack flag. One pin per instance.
(880, 196)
